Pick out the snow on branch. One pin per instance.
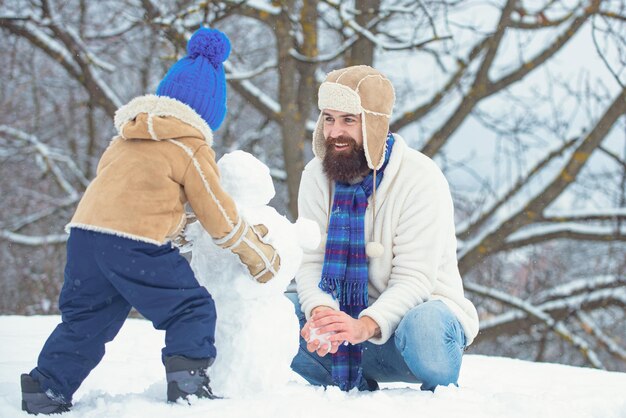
(90, 76)
(61, 43)
(91, 57)
(238, 81)
(18, 223)
(586, 301)
(578, 286)
(113, 32)
(245, 75)
(527, 20)
(604, 214)
(25, 27)
(348, 17)
(257, 9)
(556, 326)
(258, 97)
(494, 237)
(49, 160)
(517, 321)
(33, 240)
(345, 45)
(261, 6)
(577, 297)
(541, 232)
(511, 203)
(278, 174)
(471, 226)
(589, 325)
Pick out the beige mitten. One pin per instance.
(247, 242)
(180, 240)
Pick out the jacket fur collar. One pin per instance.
(158, 118)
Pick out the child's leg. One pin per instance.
(160, 284)
(92, 314)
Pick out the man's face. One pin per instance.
(337, 124)
(345, 158)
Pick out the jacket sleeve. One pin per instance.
(313, 204)
(214, 208)
(418, 246)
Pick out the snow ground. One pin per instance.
(130, 382)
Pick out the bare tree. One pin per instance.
(488, 73)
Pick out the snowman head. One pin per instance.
(246, 179)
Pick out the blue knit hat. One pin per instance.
(198, 79)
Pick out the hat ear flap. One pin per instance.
(375, 130)
(319, 142)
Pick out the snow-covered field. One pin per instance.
(130, 382)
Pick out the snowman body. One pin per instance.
(257, 331)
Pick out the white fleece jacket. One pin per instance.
(414, 223)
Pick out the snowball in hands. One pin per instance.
(257, 331)
(322, 338)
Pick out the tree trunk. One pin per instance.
(363, 51)
(291, 118)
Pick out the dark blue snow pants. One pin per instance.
(105, 276)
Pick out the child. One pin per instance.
(119, 252)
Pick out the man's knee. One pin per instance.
(427, 322)
(431, 342)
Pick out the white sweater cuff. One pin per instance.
(321, 299)
(386, 328)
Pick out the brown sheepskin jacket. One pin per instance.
(160, 160)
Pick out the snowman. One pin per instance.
(257, 331)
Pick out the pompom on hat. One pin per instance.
(198, 79)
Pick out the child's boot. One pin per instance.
(36, 401)
(187, 377)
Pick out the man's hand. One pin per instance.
(314, 346)
(345, 327)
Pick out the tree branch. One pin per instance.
(593, 329)
(519, 185)
(493, 240)
(482, 87)
(526, 67)
(563, 232)
(33, 241)
(538, 315)
(416, 114)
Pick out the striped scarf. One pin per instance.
(345, 269)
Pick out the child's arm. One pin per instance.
(218, 214)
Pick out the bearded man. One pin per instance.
(384, 287)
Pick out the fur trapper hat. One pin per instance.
(360, 90)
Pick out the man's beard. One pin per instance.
(344, 166)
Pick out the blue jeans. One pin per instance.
(426, 348)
